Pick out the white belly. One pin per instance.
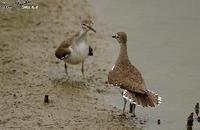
(78, 53)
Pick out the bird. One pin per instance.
(128, 78)
(76, 48)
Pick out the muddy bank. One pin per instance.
(29, 71)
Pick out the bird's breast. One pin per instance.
(79, 53)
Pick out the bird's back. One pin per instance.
(69, 40)
(64, 48)
(127, 77)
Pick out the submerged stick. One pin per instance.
(46, 99)
(131, 108)
(158, 121)
(190, 120)
(197, 109)
(198, 118)
(189, 127)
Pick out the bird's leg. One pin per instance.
(125, 101)
(132, 109)
(82, 69)
(66, 69)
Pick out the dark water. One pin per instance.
(164, 43)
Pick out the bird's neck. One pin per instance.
(82, 34)
(123, 55)
(82, 37)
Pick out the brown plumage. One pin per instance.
(63, 49)
(128, 77)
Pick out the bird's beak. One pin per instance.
(114, 36)
(91, 28)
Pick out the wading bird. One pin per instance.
(129, 79)
(76, 49)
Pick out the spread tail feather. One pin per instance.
(148, 99)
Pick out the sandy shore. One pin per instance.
(29, 71)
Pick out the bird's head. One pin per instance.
(121, 37)
(87, 25)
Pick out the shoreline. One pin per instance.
(30, 71)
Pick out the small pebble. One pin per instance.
(14, 95)
(14, 70)
(38, 23)
(104, 70)
(141, 122)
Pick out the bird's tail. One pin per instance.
(147, 99)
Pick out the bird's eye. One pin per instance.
(84, 24)
(116, 35)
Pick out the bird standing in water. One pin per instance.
(76, 49)
(129, 79)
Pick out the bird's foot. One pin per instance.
(133, 115)
(66, 72)
(84, 77)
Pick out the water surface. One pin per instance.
(164, 43)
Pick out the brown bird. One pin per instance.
(129, 79)
(76, 49)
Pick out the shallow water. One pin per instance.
(164, 43)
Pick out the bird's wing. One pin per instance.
(64, 48)
(62, 52)
(127, 77)
(69, 41)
